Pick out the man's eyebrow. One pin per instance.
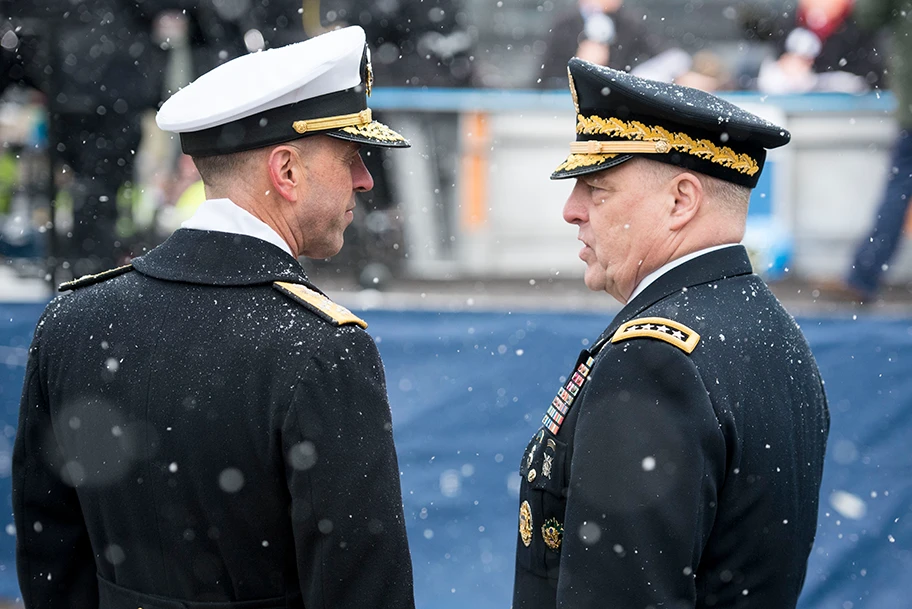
(599, 182)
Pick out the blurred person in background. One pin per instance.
(101, 67)
(607, 33)
(416, 45)
(879, 245)
(603, 32)
(680, 463)
(204, 427)
(819, 48)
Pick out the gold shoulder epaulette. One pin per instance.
(96, 278)
(319, 304)
(670, 331)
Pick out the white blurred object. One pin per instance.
(600, 28)
(665, 66)
(785, 75)
(802, 41)
(842, 82)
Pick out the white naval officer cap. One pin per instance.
(262, 99)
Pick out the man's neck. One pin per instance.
(263, 209)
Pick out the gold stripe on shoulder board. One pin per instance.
(333, 312)
(96, 278)
(667, 330)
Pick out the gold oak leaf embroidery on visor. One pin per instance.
(575, 161)
(637, 131)
(375, 131)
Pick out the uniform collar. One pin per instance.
(219, 258)
(712, 266)
(224, 216)
(651, 277)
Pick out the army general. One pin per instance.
(679, 465)
(204, 427)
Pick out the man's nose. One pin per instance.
(574, 209)
(362, 181)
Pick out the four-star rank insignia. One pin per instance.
(663, 329)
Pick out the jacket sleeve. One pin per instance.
(874, 14)
(343, 477)
(54, 559)
(647, 466)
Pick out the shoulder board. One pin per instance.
(670, 331)
(96, 278)
(319, 304)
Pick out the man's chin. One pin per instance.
(593, 281)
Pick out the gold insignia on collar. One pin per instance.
(553, 533)
(525, 523)
(319, 304)
(667, 330)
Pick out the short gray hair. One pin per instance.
(214, 170)
(731, 197)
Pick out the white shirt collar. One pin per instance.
(651, 277)
(223, 216)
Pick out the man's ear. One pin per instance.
(688, 193)
(285, 172)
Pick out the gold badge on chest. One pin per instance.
(553, 534)
(525, 523)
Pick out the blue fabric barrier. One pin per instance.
(468, 390)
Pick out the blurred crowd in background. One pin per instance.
(80, 81)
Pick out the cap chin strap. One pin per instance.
(333, 122)
(603, 147)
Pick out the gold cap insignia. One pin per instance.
(525, 523)
(369, 78)
(573, 91)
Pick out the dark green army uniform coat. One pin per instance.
(680, 464)
(194, 434)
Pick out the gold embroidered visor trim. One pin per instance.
(375, 131)
(575, 161)
(681, 142)
(333, 122)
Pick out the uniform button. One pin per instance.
(531, 476)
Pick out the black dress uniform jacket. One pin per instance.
(680, 479)
(191, 436)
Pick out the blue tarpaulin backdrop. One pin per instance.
(468, 390)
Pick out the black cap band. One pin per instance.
(273, 126)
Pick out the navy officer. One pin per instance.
(204, 427)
